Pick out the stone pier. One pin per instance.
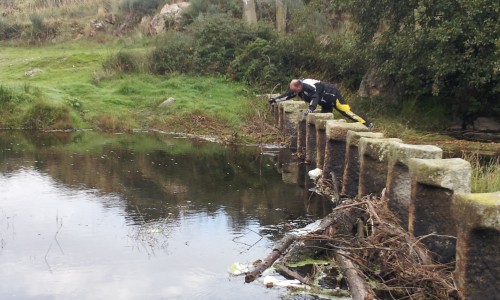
(290, 115)
(398, 187)
(478, 245)
(301, 138)
(350, 179)
(314, 121)
(320, 141)
(336, 135)
(373, 162)
(429, 195)
(433, 183)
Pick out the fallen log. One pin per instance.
(358, 287)
(278, 250)
(285, 270)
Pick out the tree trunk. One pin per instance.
(249, 12)
(278, 250)
(358, 287)
(281, 15)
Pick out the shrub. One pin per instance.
(10, 31)
(259, 64)
(219, 39)
(140, 8)
(173, 53)
(112, 123)
(199, 8)
(9, 97)
(6, 96)
(46, 116)
(122, 62)
(41, 31)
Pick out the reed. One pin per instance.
(485, 172)
(19, 12)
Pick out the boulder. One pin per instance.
(169, 13)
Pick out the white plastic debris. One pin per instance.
(276, 282)
(307, 229)
(314, 174)
(238, 268)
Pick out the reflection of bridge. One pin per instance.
(431, 196)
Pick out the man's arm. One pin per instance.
(286, 96)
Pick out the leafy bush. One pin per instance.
(259, 63)
(200, 8)
(173, 53)
(219, 39)
(447, 50)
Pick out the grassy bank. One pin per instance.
(69, 79)
(70, 86)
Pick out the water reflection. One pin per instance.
(89, 216)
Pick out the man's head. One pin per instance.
(296, 85)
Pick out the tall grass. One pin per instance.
(485, 172)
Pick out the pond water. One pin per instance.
(143, 216)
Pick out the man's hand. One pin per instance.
(307, 111)
(272, 100)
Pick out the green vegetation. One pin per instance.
(100, 88)
(485, 172)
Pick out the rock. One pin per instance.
(371, 85)
(167, 102)
(32, 73)
(171, 13)
(486, 124)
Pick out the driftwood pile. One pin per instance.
(369, 251)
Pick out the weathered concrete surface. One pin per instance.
(320, 141)
(311, 135)
(336, 136)
(433, 183)
(291, 112)
(301, 138)
(478, 245)
(398, 187)
(373, 162)
(350, 179)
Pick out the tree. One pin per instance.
(281, 15)
(249, 12)
(446, 51)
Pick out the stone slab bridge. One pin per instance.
(431, 196)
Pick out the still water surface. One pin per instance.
(144, 216)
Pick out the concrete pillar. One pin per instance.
(398, 187)
(478, 245)
(350, 179)
(433, 183)
(290, 114)
(320, 142)
(373, 161)
(275, 112)
(311, 135)
(301, 138)
(336, 135)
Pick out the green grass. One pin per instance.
(485, 172)
(71, 75)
